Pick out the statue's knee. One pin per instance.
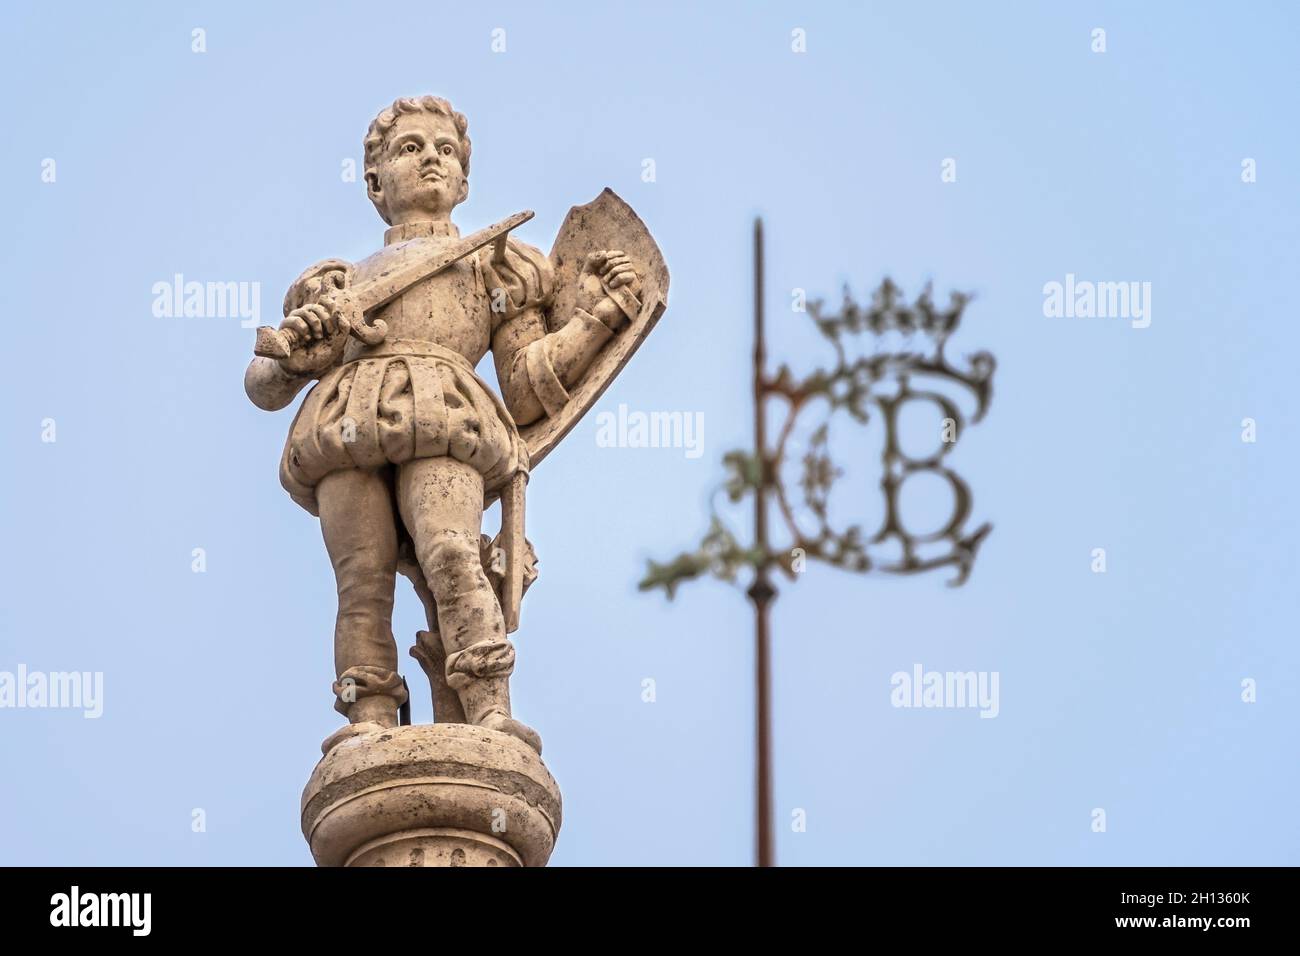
(450, 555)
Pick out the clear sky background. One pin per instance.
(1119, 691)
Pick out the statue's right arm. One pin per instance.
(269, 386)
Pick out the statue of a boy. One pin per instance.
(400, 444)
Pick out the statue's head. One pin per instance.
(417, 160)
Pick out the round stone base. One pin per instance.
(431, 795)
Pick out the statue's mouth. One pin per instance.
(432, 176)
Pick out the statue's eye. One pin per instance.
(446, 149)
(410, 148)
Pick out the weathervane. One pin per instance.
(883, 381)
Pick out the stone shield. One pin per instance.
(607, 222)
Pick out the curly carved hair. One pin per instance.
(377, 136)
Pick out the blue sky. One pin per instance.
(1119, 691)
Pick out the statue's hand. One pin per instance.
(319, 325)
(320, 332)
(610, 268)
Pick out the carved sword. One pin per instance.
(379, 290)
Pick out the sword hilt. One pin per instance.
(275, 343)
(280, 343)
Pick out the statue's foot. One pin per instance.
(508, 725)
(347, 732)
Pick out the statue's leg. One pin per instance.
(356, 518)
(428, 649)
(441, 502)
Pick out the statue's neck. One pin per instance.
(443, 228)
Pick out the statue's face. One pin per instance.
(419, 174)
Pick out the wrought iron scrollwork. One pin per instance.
(880, 383)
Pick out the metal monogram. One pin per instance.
(884, 381)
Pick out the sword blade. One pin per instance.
(407, 271)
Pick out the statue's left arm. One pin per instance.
(537, 368)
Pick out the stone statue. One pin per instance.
(400, 446)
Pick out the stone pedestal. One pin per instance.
(431, 795)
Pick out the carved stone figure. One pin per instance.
(399, 446)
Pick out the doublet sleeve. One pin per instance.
(526, 280)
(536, 366)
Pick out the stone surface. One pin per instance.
(431, 795)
